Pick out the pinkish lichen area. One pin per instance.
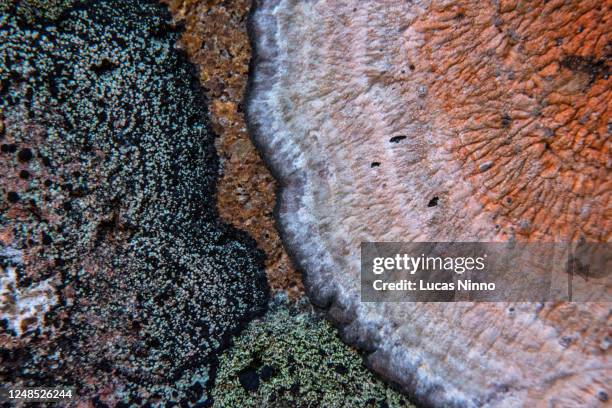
(443, 121)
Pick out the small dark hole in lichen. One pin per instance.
(506, 120)
(45, 160)
(104, 66)
(192, 120)
(267, 372)
(102, 116)
(411, 67)
(249, 380)
(295, 388)
(13, 197)
(375, 164)
(24, 155)
(509, 200)
(397, 139)
(24, 174)
(340, 369)
(46, 239)
(8, 148)
(53, 89)
(197, 390)
(433, 202)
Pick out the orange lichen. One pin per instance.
(526, 95)
(446, 122)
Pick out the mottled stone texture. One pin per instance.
(292, 357)
(443, 121)
(216, 40)
(117, 275)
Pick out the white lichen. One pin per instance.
(24, 308)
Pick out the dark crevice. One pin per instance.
(397, 139)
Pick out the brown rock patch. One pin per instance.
(216, 40)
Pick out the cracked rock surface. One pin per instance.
(443, 121)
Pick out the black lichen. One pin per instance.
(150, 282)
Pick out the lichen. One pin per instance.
(292, 357)
(32, 10)
(216, 40)
(441, 122)
(108, 189)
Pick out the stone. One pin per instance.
(505, 108)
(117, 274)
(293, 357)
(216, 40)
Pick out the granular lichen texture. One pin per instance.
(294, 358)
(36, 10)
(443, 121)
(216, 40)
(117, 274)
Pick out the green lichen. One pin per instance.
(292, 357)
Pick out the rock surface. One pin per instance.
(216, 40)
(292, 357)
(443, 121)
(117, 274)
